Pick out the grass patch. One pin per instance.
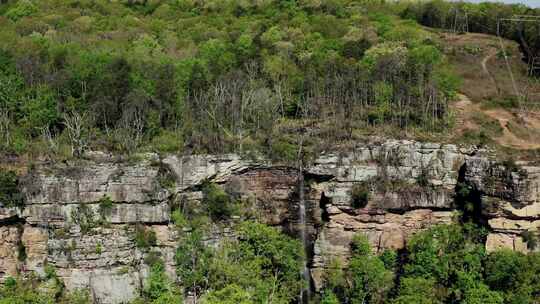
(166, 177)
(508, 103)
(105, 207)
(144, 237)
(84, 217)
(522, 132)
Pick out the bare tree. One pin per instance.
(77, 127)
(130, 130)
(49, 138)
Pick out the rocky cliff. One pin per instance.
(81, 217)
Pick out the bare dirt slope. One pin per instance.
(517, 132)
(479, 62)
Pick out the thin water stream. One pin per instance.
(304, 292)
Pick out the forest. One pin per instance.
(265, 77)
(213, 76)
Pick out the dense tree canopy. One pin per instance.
(211, 76)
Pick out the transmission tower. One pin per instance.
(460, 22)
(533, 57)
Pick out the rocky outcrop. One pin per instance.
(510, 195)
(82, 217)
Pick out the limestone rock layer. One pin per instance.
(81, 217)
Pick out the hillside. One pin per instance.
(269, 151)
(214, 76)
(487, 109)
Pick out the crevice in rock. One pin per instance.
(468, 199)
(318, 178)
(324, 202)
(402, 211)
(13, 220)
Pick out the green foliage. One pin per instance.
(360, 245)
(360, 194)
(144, 237)
(513, 274)
(219, 204)
(179, 218)
(168, 141)
(262, 264)
(105, 207)
(443, 264)
(99, 249)
(417, 290)
(390, 259)
(23, 292)
(192, 261)
(83, 215)
(329, 297)
(334, 278)
(443, 251)
(23, 8)
(77, 296)
(231, 294)
(10, 194)
(369, 280)
(481, 294)
(283, 149)
(39, 111)
(158, 288)
(208, 76)
(278, 256)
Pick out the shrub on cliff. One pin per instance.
(159, 289)
(83, 215)
(360, 194)
(144, 237)
(105, 207)
(10, 194)
(219, 204)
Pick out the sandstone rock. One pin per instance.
(107, 286)
(9, 262)
(411, 188)
(501, 224)
(35, 240)
(498, 241)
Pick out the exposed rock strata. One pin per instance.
(411, 185)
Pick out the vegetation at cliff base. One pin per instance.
(261, 266)
(444, 264)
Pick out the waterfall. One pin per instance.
(304, 292)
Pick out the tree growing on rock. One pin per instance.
(78, 131)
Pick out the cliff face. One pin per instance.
(81, 218)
